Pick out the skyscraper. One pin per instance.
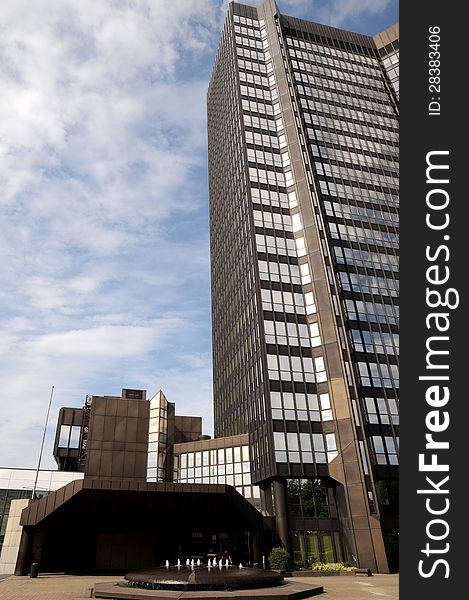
(303, 134)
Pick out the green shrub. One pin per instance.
(279, 559)
(318, 566)
(307, 564)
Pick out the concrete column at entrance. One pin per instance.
(281, 513)
(12, 540)
(256, 556)
(266, 498)
(24, 552)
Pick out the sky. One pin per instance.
(105, 274)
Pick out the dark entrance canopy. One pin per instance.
(101, 525)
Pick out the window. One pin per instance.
(309, 498)
(69, 436)
(320, 369)
(314, 333)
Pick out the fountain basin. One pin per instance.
(186, 578)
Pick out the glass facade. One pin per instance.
(157, 438)
(303, 133)
(309, 547)
(352, 139)
(310, 498)
(229, 465)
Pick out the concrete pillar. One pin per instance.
(266, 499)
(23, 561)
(281, 512)
(12, 540)
(256, 556)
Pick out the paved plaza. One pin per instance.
(68, 587)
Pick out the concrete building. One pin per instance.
(16, 489)
(303, 134)
(302, 127)
(115, 512)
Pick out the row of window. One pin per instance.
(302, 407)
(354, 233)
(269, 197)
(333, 87)
(280, 272)
(375, 341)
(346, 210)
(315, 49)
(382, 410)
(378, 374)
(241, 478)
(366, 258)
(335, 126)
(341, 94)
(373, 312)
(304, 447)
(356, 160)
(385, 449)
(220, 456)
(247, 21)
(321, 139)
(278, 332)
(295, 368)
(247, 31)
(329, 73)
(336, 64)
(314, 100)
(275, 245)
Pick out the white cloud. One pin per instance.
(102, 171)
(104, 240)
(106, 341)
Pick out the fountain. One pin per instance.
(160, 583)
(196, 578)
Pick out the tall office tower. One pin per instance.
(303, 134)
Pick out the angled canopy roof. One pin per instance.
(139, 506)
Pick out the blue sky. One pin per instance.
(103, 201)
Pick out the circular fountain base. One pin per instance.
(204, 583)
(203, 578)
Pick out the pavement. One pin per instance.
(355, 587)
(70, 587)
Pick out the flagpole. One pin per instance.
(42, 443)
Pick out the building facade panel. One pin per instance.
(307, 184)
